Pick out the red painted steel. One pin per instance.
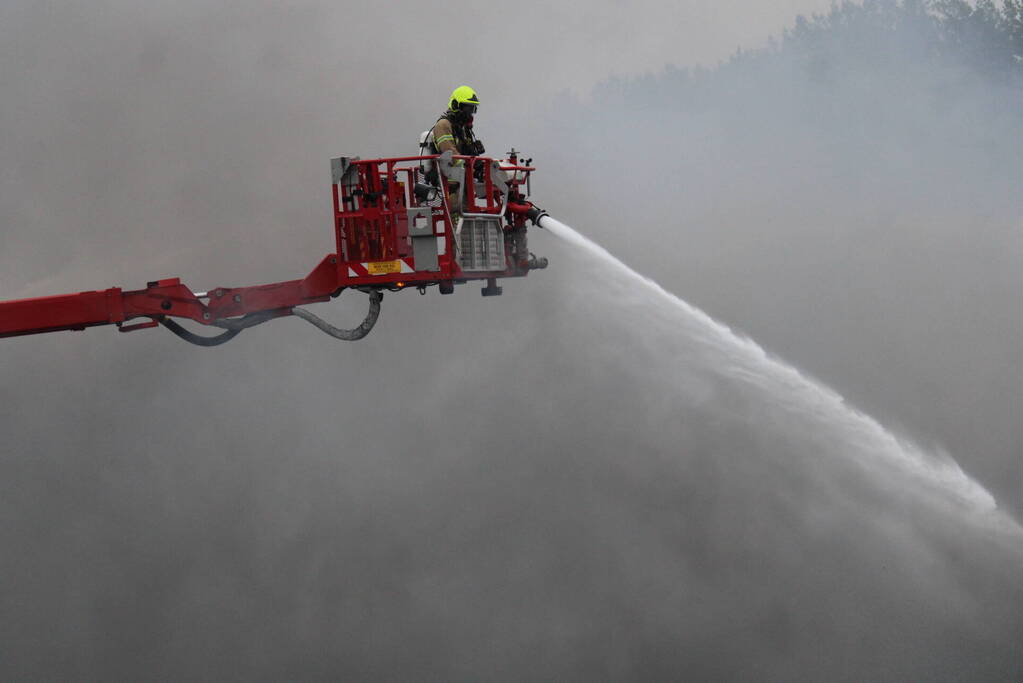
(372, 202)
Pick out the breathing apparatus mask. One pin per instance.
(464, 114)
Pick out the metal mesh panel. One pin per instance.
(481, 244)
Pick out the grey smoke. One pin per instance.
(545, 486)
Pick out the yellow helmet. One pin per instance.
(463, 94)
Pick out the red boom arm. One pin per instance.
(160, 299)
(394, 229)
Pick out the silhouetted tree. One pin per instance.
(1012, 22)
(979, 33)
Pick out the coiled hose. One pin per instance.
(359, 332)
(233, 327)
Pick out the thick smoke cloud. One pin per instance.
(853, 206)
(552, 485)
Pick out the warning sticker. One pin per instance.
(383, 267)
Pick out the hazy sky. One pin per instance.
(545, 47)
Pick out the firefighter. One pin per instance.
(453, 131)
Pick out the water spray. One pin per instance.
(748, 362)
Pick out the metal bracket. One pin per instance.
(340, 167)
(424, 242)
(448, 169)
(499, 177)
(419, 221)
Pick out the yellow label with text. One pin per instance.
(384, 267)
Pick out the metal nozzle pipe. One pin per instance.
(533, 213)
(537, 262)
(536, 214)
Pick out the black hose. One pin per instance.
(197, 339)
(247, 321)
(347, 335)
(231, 327)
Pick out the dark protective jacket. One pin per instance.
(450, 134)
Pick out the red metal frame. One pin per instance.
(374, 251)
